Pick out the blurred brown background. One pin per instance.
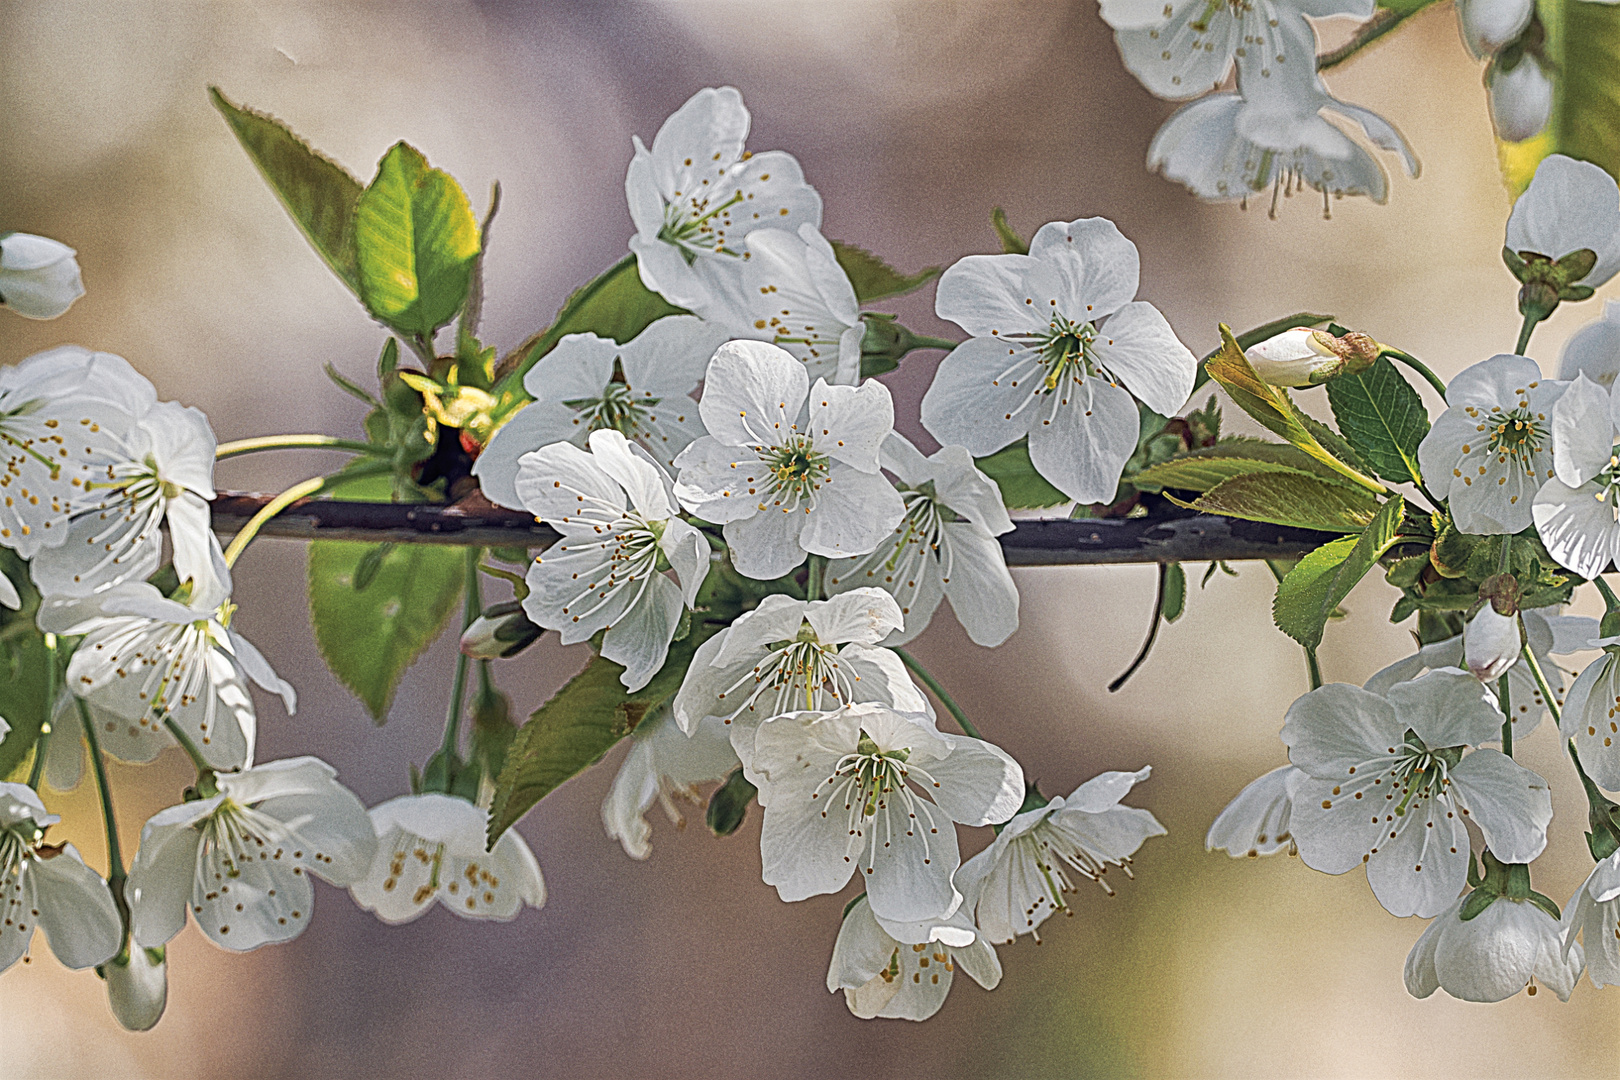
(913, 119)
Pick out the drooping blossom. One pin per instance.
(1593, 915)
(1577, 510)
(1257, 822)
(664, 765)
(1491, 957)
(903, 970)
(1569, 206)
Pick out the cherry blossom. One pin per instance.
(903, 970)
(48, 887)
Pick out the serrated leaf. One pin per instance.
(1292, 607)
(1022, 488)
(415, 241)
(1583, 41)
(1290, 498)
(1243, 446)
(1250, 338)
(614, 304)
(875, 279)
(318, 193)
(1175, 592)
(1273, 408)
(581, 722)
(1381, 415)
(1203, 473)
(369, 636)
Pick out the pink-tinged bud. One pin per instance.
(137, 991)
(1491, 643)
(39, 277)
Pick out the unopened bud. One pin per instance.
(39, 277)
(1492, 638)
(1303, 357)
(502, 630)
(1520, 98)
(138, 987)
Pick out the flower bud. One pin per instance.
(1303, 357)
(137, 987)
(1487, 25)
(1520, 98)
(1492, 638)
(502, 630)
(39, 278)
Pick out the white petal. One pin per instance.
(563, 485)
(1257, 821)
(854, 512)
(537, 424)
(1081, 441)
(1177, 59)
(138, 991)
(1336, 727)
(1420, 976)
(670, 356)
(1420, 861)
(1590, 718)
(985, 295)
(160, 878)
(850, 423)
(752, 393)
(1578, 525)
(1137, 345)
(1594, 349)
(76, 910)
(715, 480)
(980, 588)
(766, 544)
(863, 616)
(1583, 437)
(1568, 206)
(1099, 267)
(979, 783)
(980, 396)
(639, 639)
(1446, 708)
(1510, 804)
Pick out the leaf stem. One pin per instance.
(945, 699)
(1507, 715)
(1525, 331)
(458, 685)
(115, 854)
(294, 442)
(197, 760)
(1152, 634)
(1313, 669)
(43, 743)
(298, 491)
(1418, 366)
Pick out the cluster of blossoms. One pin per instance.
(1389, 776)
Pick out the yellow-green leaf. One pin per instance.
(1290, 498)
(1203, 473)
(1309, 593)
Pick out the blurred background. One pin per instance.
(913, 119)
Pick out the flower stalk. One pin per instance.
(939, 692)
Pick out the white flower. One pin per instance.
(1257, 821)
(1023, 872)
(903, 970)
(1488, 25)
(1520, 98)
(1228, 147)
(1491, 449)
(1491, 643)
(945, 546)
(783, 479)
(166, 474)
(618, 523)
(49, 887)
(1547, 633)
(138, 988)
(640, 389)
(1492, 956)
(1593, 913)
(65, 416)
(790, 655)
(431, 847)
(1594, 349)
(1577, 511)
(845, 790)
(1592, 715)
(696, 194)
(146, 659)
(1397, 802)
(1182, 48)
(794, 294)
(664, 764)
(241, 859)
(1569, 205)
(39, 277)
(1055, 334)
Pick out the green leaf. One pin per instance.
(1382, 417)
(1011, 242)
(1292, 607)
(415, 242)
(318, 193)
(583, 721)
(1275, 410)
(1289, 498)
(24, 675)
(1250, 338)
(1583, 40)
(1242, 446)
(875, 279)
(1202, 473)
(614, 304)
(369, 636)
(1021, 486)
(1175, 593)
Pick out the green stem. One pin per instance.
(920, 341)
(1610, 601)
(816, 570)
(1525, 332)
(115, 854)
(1418, 366)
(1505, 563)
(1312, 668)
(197, 760)
(43, 743)
(294, 442)
(939, 691)
(298, 491)
(458, 685)
(1541, 682)
(1507, 715)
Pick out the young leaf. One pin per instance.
(614, 304)
(875, 279)
(369, 636)
(317, 192)
(1289, 498)
(415, 241)
(578, 725)
(1021, 486)
(1382, 417)
(24, 694)
(1301, 593)
(1242, 446)
(1274, 409)
(1175, 592)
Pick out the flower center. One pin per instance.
(1518, 435)
(618, 409)
(1423, 773)
(1066, 352)
(802, 673)
(797, 471)
(691, 226)
(878, 803)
